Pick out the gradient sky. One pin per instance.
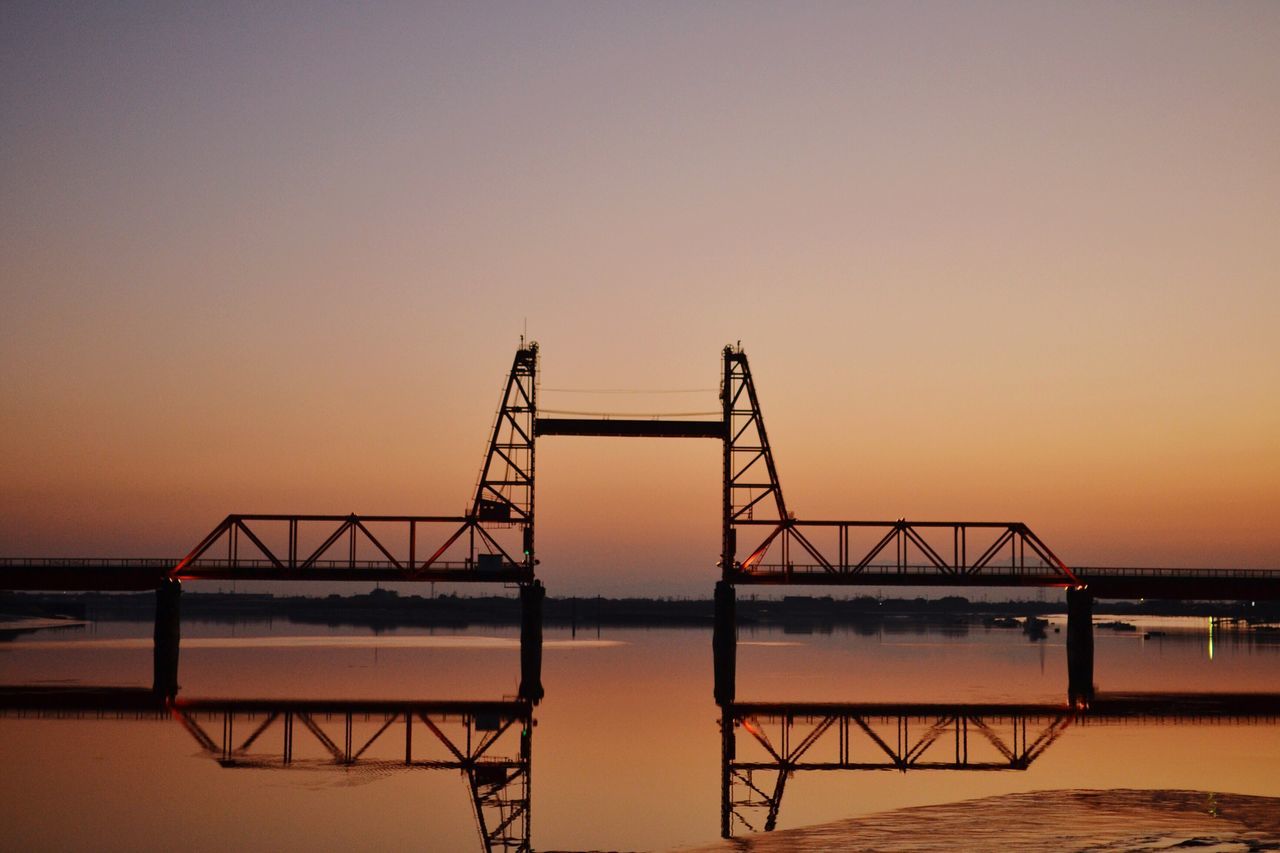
(989, 260)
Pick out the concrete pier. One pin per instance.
(1080, 645)
(724, 643)
(168, 633)
(531, 596)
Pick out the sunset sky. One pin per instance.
(990, 261)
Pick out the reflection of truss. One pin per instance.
(780, 740)
(467, 736)
(490, 742)
(814, 738)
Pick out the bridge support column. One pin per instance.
(724, 643)
(531, 596)
(1080, 645)
(168, 632)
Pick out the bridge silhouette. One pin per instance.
(494, 542)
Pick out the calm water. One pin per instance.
(624, 752)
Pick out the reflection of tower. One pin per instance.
(764, 745)
(491, 743)
(779, 740)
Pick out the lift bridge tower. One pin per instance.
(504, 499)
(504, 495)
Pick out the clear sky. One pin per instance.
(989, 260)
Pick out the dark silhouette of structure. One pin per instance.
(489, 742)
(494, 541)
(763, 745)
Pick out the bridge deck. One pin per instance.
(121, 574)
(1103, 582)
(68, 574)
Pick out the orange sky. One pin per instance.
(988, 261)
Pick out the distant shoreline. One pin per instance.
(386, 608)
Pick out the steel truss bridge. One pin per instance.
(489, 742)
(494, 541)
(763, 745)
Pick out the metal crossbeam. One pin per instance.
(630, 427)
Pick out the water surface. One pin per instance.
(624, 752)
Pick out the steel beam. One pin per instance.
(629, 428)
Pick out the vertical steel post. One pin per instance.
(728, 547)
(413, 545)
(531, 393)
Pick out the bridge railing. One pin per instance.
(1087, 572)
(321, 565)
(914, 570)
(88, 562)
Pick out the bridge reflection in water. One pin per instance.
(764, 744)
(490, 742)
